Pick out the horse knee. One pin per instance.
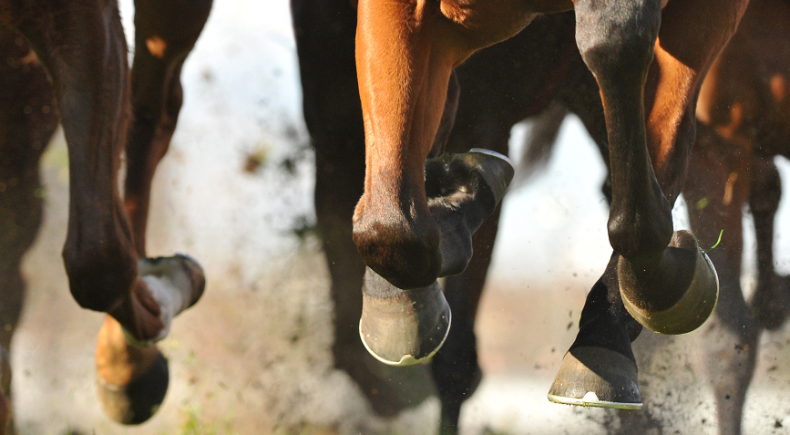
(401, 249)
(616, 37)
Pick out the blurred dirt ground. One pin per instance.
(253, 356)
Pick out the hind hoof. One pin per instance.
(408, 327)
(138, 401)
(480, 172)
(596, 377)
(176, 283)
(463, 190)
(180, 272)
(497, 169)
(694, 307)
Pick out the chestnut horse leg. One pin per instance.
(405, 55)
(324, 33)
(415, 220)
(28, 118)
(664, 279)
(132, 381)
(715, 192)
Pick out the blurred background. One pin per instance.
(235, 192)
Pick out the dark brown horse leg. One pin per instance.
(654, 279)
(771, 300)
(165, 33)
(325, 32)
(455, 368)
(715, 192)
(664, 279)
(28, 118)
(132, 381)
(6, 412)
(91, 84)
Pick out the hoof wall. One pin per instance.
(407, 328)
(176, 283)
(497, 169)
(697, 303)
(596, 377)
(138, 401)
(180, 272)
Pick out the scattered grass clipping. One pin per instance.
(721, 233)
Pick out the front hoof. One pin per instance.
(406, 327)
(139, 400)
(696, 303)
(596, 377)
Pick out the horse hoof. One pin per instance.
(497, 169)
(180, 271)
(176, 282)
(596, 377)
(406, 327)
(694, 307)
(138, 401)
(479, 172)
(463, 190)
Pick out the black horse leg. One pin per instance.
(665, 280)
(455, 368)
(28, 118)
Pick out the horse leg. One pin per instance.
(399, 235)
(771, 300)
(91, 85)
(27, 121)
(132, 381)
(665, 281)
(325, 44)
(455, 368)
(716, 191)
(165, 34)
(415, 219)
